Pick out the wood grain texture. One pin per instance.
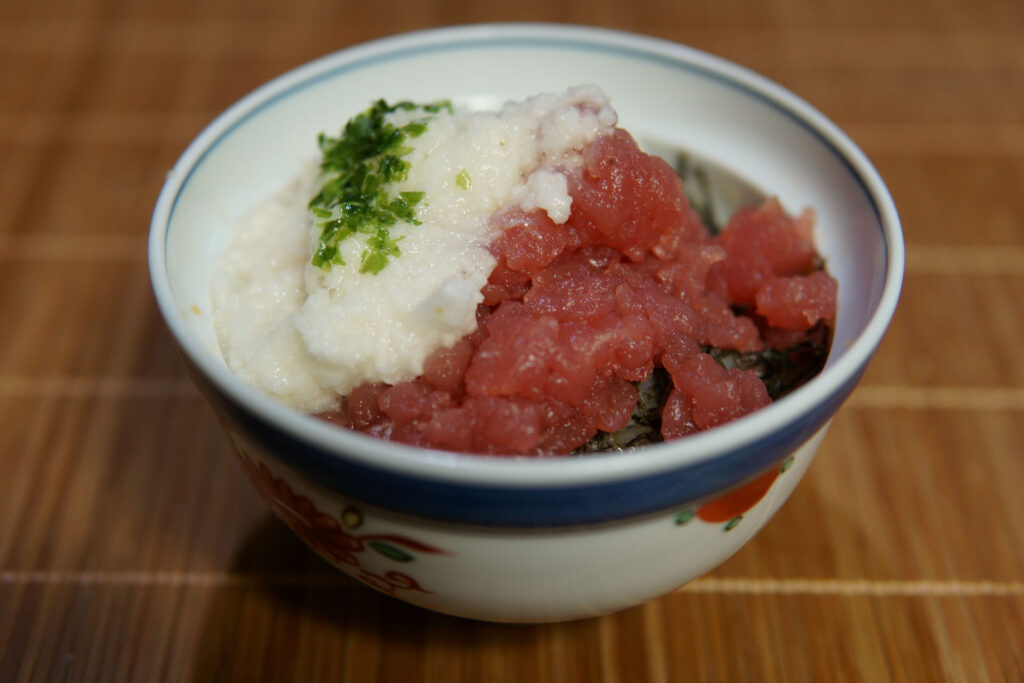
(133, 549)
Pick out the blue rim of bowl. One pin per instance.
(493, 491)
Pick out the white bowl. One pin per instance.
(530, 539)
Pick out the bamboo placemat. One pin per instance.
(132, 548)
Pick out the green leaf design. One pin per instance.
(391, 552)
(685, 516)
(733, 523)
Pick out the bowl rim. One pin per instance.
(468, 469)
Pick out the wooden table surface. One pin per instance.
(133, 549)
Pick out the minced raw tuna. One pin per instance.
(576, 315)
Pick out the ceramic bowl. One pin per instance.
(530, 539)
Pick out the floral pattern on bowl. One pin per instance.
(330, 537)
(731, 507)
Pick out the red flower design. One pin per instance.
(318, 530)
(735, 503)
(732, 506)
(390, 582)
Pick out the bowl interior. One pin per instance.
(674, 96)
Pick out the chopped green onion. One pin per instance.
(358, 168)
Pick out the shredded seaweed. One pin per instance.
(781, 370)
(645, 425)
